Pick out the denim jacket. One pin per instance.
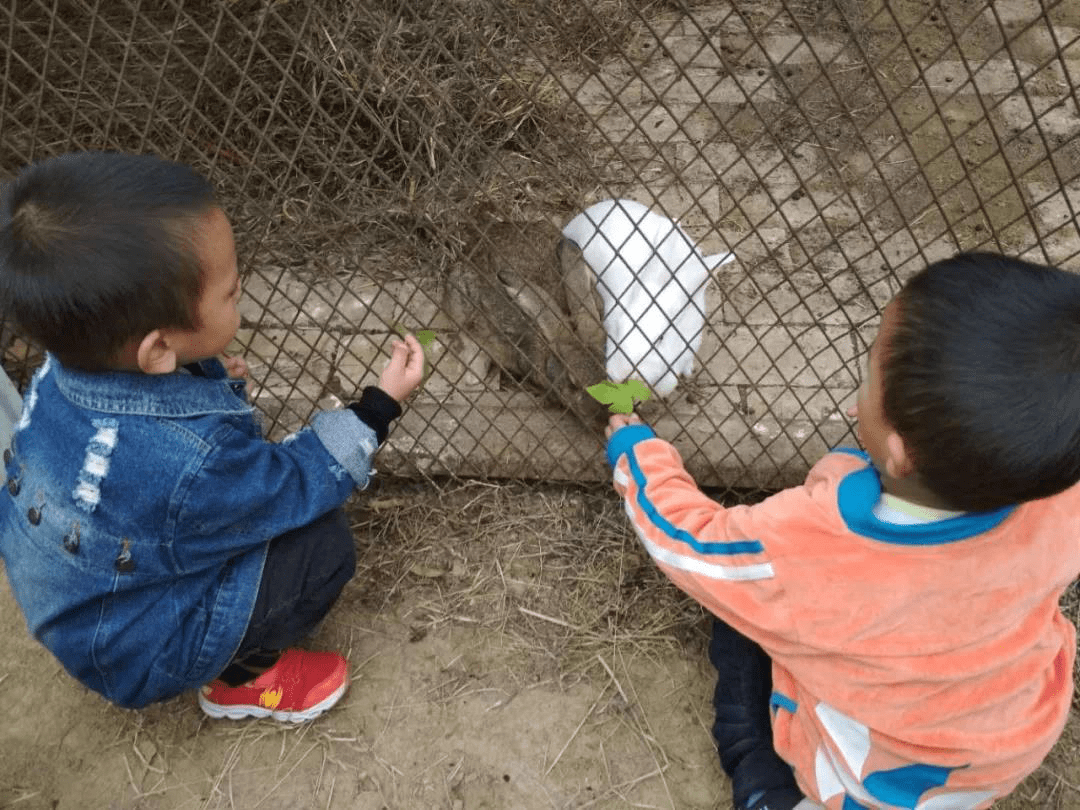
(136, 516)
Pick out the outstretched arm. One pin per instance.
(721, 556)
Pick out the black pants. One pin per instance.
(743, 731)
(304, 573)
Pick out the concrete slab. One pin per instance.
(514, 438)
(993, 77)
(357, 303)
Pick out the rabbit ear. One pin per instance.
(582, 297)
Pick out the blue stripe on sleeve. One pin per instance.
(662, 523)
(624, 439)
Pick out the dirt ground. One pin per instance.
(510, 647)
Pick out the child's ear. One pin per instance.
(155, 355)
(897, 461)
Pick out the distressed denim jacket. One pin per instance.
(136, 516)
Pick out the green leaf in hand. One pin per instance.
(619, 396)
(425, 336)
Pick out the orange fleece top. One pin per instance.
(923, 666)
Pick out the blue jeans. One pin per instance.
(305, 571)
(760, 779)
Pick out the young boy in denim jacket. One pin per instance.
(888, 634)
(153, 539)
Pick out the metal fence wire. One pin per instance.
(391, 165)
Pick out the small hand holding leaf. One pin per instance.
(426, 337)
(619, 397)
(404, 370)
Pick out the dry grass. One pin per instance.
(555, 570)
(552, 573)
(397, 123)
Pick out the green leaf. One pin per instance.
(603, 392)
(637, 390)
(426, 337)
(619, 397)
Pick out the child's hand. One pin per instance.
(618, 420)
(404, 369)
(235, 367)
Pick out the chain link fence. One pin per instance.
(378, 158)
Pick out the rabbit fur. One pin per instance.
(534, 311)
(651, 278)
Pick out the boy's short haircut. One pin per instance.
(981, 379)
(96, 248)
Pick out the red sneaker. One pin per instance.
(300, 686)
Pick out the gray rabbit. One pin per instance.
(528, 298)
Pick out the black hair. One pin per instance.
(981, 379)
(96, 248)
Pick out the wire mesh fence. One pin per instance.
(392, 166)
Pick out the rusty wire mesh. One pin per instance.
(368, 152)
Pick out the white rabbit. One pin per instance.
(651, 278)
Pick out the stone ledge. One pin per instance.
(742, 436)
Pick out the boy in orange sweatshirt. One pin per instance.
(888, 634)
